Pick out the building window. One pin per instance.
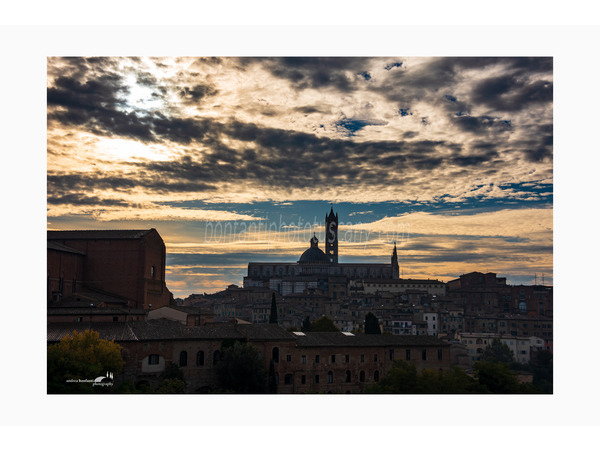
(288, 358)
(440, 354)
(347, 358)
(183, 359)
(330, 377)
(317, 379)
(375, 357)
(216, 357)
(152, 272)
(80, 319)
(317, 359)
(287, 379)
(348, 376)
(200, 358)
(303, 379)
(376, 375)
(408, 354)
(115, 318)
(391, 354)
(362, 358)
(424, 355)
(275, 354)
(361, 376)
(153, 360)
(303, 359)
(523, 307)
(276, 378)
(333, 358)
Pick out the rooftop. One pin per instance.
(97, 234)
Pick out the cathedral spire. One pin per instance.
(395, 266)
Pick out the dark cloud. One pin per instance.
(198, 92)
(482, 124)
(510, 93)
(84, 199)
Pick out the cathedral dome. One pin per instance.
(314, 254)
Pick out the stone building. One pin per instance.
(318, 269)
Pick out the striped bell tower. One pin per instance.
(331, 236)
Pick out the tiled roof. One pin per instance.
(97, 234)
(263, 332)
(188, 309)
(85, 311)
(63, 248)
(335, 339)
(164, 329)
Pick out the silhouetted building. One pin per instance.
(318, 269)
(108, 268)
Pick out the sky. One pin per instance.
(236, 160)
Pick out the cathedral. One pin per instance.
(317, 269)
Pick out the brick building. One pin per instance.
(304, 362)
(126, 265)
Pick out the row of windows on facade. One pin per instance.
(391, 355)
(288, 377)
(200, 358)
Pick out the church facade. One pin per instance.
(318, 270)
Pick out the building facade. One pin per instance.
(126, 266)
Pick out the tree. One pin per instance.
(372, 324)
(305, 324)
(496, 377)
(273, 316)
(81, 356)
(498, 352)
(403, 378)
(241, 370)
(541, 362)
(171, 386)
(324, 323)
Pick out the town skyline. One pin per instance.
(449, 157)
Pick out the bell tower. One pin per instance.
(331, 236)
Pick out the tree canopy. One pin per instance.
(489, 378)
(323, 323)
(273, 315)
(372, 324)
(498, 352)
(81, 356)
(241, 370)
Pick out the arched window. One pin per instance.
(523, 307)
(330, 377)
(376, 375)
(362, 376)
(275, 354)
(200, 358)
(348, 376)
(183, 359)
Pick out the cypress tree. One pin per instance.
(273, 316)
(372, 324)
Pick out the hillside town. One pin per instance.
(113, 282)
